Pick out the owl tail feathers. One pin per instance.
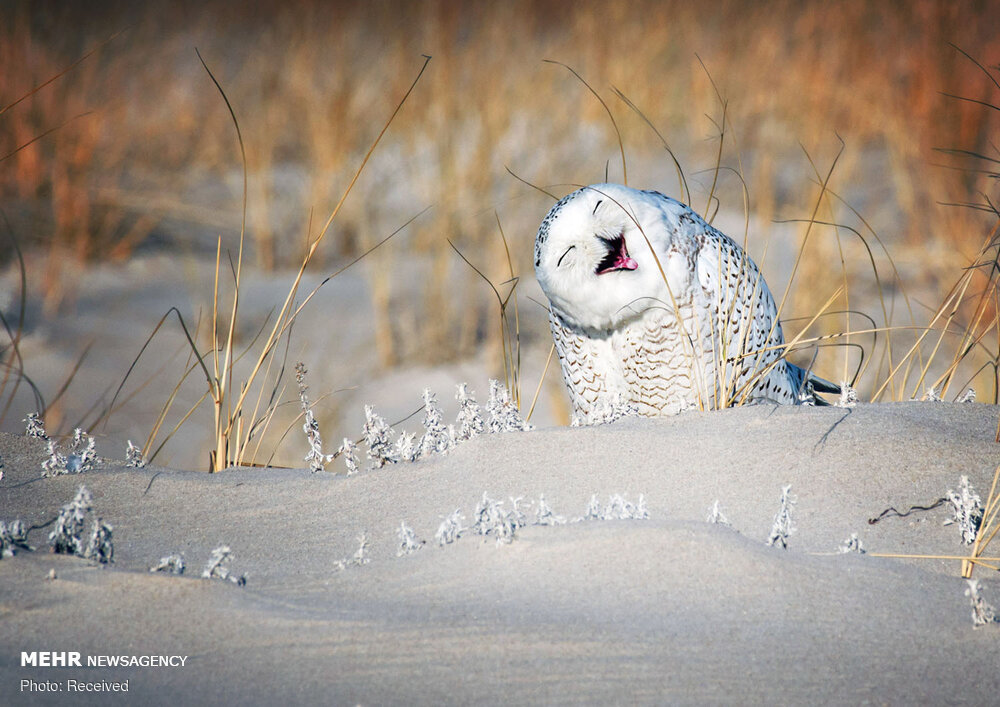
(807, 384)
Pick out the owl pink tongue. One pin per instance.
(625, 262)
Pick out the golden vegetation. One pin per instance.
(130, 143)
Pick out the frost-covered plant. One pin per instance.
(172, 564)
(436, 438)
(406, 448)
(932, 396)
(470, 417)
(852, 544)
(982, 613)
(315, 457)
(848, 396)
(6, 541)
(715, 515)
(34, 426)
(81, 455)
(605, 412)
(55, 463)
(516, 515)
(13, 536)
(349, 451)
(544, 515)
(408, 543)
(378, 439)
(491, 520)
(969, 396)
(617, 508)
(65, 537)
(504, 416)
(451, 528)
(134, 457)
(782, 528)
(100, 548)
(967, 508)
(360, 556)
(620, 508)
(217, 566)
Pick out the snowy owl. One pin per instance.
(655, 310)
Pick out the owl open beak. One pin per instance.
(617, 257)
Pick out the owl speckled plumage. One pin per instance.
(654, 309)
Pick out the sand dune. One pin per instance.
(672, 609)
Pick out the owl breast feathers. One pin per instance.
(654, 309)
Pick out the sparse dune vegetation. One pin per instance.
(231, 236)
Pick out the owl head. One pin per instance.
(594, 256)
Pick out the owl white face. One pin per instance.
(592, 260)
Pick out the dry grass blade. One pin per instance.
(232, 430)
(621, 146)
(533, 186)
(62, 73)
(988, 527)
(510, 341)
(44, 134)
(685, 190)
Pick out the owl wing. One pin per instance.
(747, 334)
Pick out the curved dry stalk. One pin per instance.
(621, 145)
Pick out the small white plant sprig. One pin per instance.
(34, 426)
(13, 537)
(436, 438)
(134, 457)
(470, 417)
(378, 439)
(967, 510)
(451, 528)
(65, 537)
(715, 515)
(544, 515)
(852, 544)
(969, 396)
(782, 528)
(55, 463)
(408, 542)
(504, 415)
(100, 548)
(360, 556)
(349, 451)
(618, 507)
(932, 396)
(316, 459)
(217, 566)
(81, 457)
(493, 521)
(406, 448)
(171, 564)
(982, 612)
(605, 412)
(848, 396)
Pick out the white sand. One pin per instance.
(667, 610)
